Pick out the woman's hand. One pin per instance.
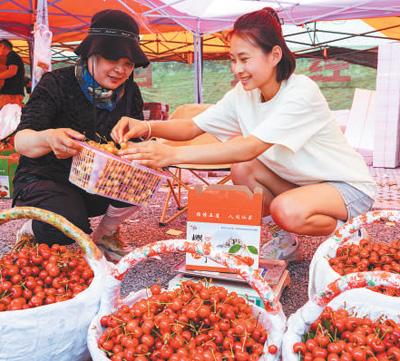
(62, 142)
(128, 128)
(150, 154)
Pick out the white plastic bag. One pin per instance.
(10, 116)
(42, 52)
(274, 321)
(57, 331)
(343, 293)
(321, 273)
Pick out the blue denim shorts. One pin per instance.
(356, 201)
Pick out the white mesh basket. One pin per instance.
(102, 173)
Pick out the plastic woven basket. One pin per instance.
(320, 272)
(347, 292)
(107, 175)
(54, 331)
(272, 317)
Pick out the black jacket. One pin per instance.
(58, 102)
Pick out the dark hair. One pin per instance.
(6, 43)
(263, 28)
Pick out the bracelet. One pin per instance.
(148, 131)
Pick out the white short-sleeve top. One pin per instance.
(308, 145)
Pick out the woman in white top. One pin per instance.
(279, 133)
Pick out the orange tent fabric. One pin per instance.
(162, 38)
(389, 26)
(18, 17)
(69, 19)
(178, 46)
(169, 46)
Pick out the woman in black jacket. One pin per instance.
(69, 105)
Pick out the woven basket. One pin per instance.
(54, 331)
(320, 272)
(272, 317)
(347, 292)
(102, 173)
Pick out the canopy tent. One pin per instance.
(68, 18)
(213, 15)
(308, 40)
(189, 30)
(365, 57)
(163, 20)
(166, 46)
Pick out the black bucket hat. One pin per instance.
(114, 35)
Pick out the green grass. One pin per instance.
(173, 83)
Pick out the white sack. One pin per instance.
(10, 116)
(362, 301)
(41, 52)
(55, 332)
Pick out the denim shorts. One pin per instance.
(356, 201)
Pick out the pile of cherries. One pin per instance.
(109, 146)
(340, 336)
(36, 275)
(369, 256)
(197, 321)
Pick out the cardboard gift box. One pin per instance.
(8, 166)
(229, 217)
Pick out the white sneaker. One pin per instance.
(282, 246)
(25, 233)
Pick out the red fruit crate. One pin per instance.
(155, 111)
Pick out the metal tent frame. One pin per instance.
(68, 23)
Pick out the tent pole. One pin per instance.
(198, 66)
(31, 47)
